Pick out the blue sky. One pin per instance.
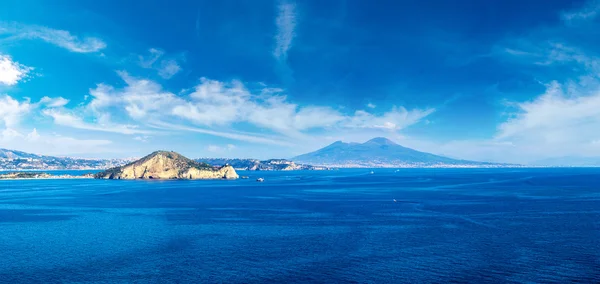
(510, 81)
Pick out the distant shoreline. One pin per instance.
(29, 175)
(46, 170)
(47, 178)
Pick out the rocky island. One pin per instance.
(168, 165)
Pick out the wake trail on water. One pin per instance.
(479, 183)
(419, 207)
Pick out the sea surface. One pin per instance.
(343, 226)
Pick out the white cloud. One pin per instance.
(54, 102)
(314, 116)
(34, 142)
(218, 103)
(138, 98)
(33, 135)
(217, 108)
(62, 117)
(166, 68)
(286, 24)
(12, 72)
(588, 12)
(564, 120)
(248, 137)
(12, 110)
(141, 138)
(9, 134)
(371, 105)
(59, 38)
(148, 61)
(396, 119)
(220, 149)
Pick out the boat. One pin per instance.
(260, 179)
(372, 172)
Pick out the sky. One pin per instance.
(500, 81)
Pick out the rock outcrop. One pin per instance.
(167, 165)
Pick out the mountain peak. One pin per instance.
(377, 152)
(380, 141)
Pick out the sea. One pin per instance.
(340, 226)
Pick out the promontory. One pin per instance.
(167, 165)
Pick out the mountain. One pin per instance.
(167, 165)
(17, 160)
(257, 165)
(379, 152)
(13, 154)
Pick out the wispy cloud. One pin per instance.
(149, 60)
(588, 12)
(141, 138)
(564, 119)
(217, 108)
(53, 102)
(166, 68)
(396, 119)
(220, 149)
(253, 138)
(59, 38)
(286, 25)
(51, 144)
(12, 72)
(64, 118)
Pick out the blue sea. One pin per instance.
(343, 226)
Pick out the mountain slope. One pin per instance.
(167, 165)
(13, 154)
(17, 160)
(377, 152)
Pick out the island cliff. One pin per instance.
(167, 165)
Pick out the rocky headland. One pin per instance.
(168, 165)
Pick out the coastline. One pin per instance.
(46, 178)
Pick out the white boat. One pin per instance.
(372, 172)
(260, 179)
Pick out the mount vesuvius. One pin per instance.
(380, 153)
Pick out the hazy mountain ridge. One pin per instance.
(258, 165)
(381, 152)
(568, 161)
(18, 160)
